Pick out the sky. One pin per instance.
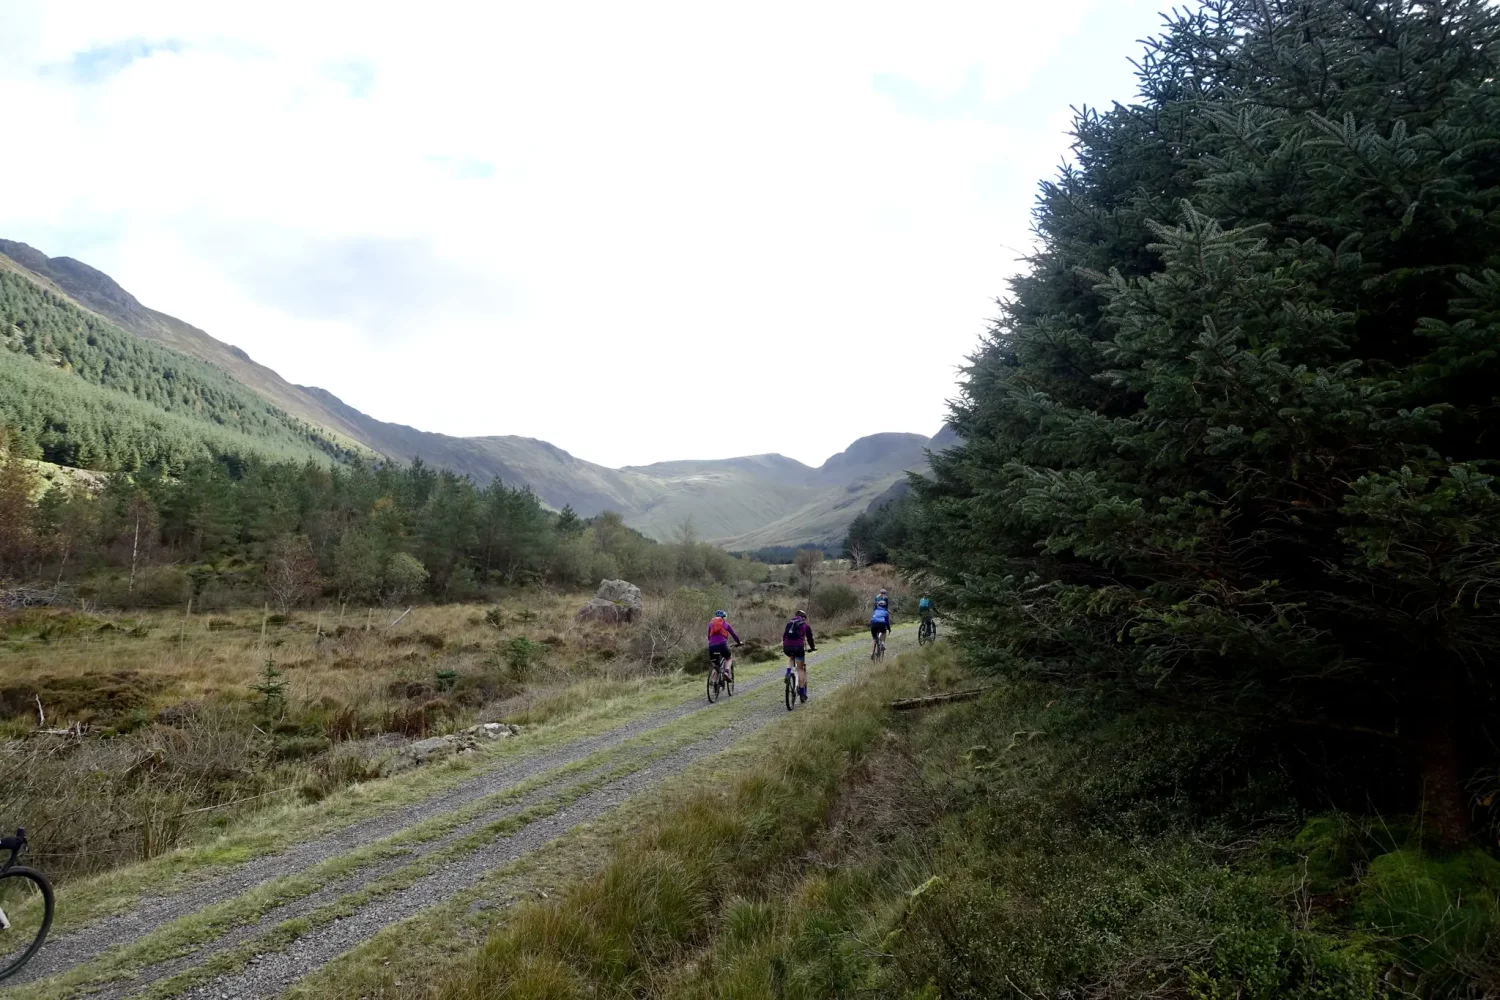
(642, 232)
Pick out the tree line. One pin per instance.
(229, 530)
(1233, 438)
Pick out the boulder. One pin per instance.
(435, 748)
(615, 602)
(493, 730)
(620, 592)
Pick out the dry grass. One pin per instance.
(186, 728)
(194, 719)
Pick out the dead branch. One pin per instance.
(907, 704)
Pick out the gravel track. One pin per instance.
(154, 912)
(272, 973)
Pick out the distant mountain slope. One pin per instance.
(852, 480)
(99, 293)
(92, 395)
(746, 502)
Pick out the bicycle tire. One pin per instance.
(729, 683)
(791, 691)
(27, 901)
(713, 683)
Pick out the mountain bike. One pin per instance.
(928, 632)
(720, 678)
(879, 653)
(26, 905)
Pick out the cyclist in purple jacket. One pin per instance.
(719, 634)
(796, 642)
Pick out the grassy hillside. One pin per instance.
(89, 395)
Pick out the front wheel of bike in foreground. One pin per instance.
(25, 917)
(713, 684)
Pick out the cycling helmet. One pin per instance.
(721, 614)
(801, 613)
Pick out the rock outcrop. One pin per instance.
(437, 748)
(616, 602)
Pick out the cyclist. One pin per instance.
(719, 634)
(796, 642)
(880, 624)
(883, 599)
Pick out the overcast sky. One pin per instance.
(641, 231)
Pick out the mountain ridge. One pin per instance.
(742, 501)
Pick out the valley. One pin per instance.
(741, 503)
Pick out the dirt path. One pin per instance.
(489, 826)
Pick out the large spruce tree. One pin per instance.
(1233, 435)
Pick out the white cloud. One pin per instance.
(641, 232)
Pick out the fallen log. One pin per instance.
(906, 704)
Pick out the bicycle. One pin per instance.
(720, 678)
(879, 653)
(928, 632)
(26, 907)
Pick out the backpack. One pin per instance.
(880, 617)
(718, 629)
(793, 633)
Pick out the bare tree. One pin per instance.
(292, 572)
(807, 562)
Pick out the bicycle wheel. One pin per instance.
(26, 905)
(729, 683)
(713, 683)
(791, 691)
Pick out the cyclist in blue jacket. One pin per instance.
(880, 624)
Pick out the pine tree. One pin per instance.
(1234, 434)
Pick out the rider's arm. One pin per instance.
(732, 632)
(807, 631)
